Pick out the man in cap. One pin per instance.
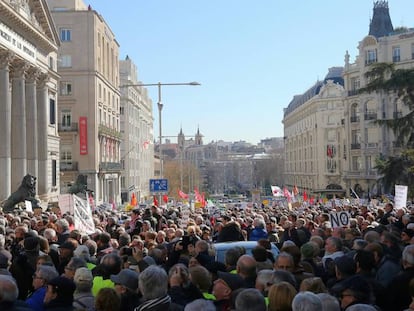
(59, 294)
(126, 285)
(66, 250)
(223, 288)
(355, 290)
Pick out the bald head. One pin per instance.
(246, 266)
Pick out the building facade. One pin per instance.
(137, 123)
(28, 89)
(331, 138)
(313, 129)
(89, 107)
(366, 139)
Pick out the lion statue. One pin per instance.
(25, 192)
(80, 185)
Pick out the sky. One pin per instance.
(250, 57)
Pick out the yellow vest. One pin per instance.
(99, 282)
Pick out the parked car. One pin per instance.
(221, 248)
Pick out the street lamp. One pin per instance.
(160, 106)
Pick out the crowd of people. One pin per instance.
(149, 259)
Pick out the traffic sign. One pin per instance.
(158, 185)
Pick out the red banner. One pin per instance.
(83, 135)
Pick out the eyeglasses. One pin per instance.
(346, 295)
(37, 277)
(70, 268)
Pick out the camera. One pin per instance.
(128, 251)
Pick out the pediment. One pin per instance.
(331, 89)
(31, 18)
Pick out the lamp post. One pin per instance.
(160, 106)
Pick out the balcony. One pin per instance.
(370, 116)
(353, 92)
(110, 167)
(354, 119)
(68, 166)
(109, 132)
(372, 145)
(396, 59)
(72, 127)
(355, 146)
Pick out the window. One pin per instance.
(356, 163)
(51, 63)
(370, 57)
(412, 50)
(54, 173)
(396, 54)
(52, 111)
(66, 118)
(65, 34)
(66, 158)
(65, 88)
(66, 61)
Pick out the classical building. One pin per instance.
(137, 148)
(331, 137)
(89, 99)
(367, 140)
(314, 129)
(28, 91)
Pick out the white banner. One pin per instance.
(83, 215)
(339, 219)
(66, 204)
(400, 198)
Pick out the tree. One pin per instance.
(399, 84)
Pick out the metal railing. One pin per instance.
(355, 146)
(354, 119)
(107, 131)
(69, 166)
(110, 166)
(72, 127)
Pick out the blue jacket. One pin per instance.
(256, 234)
(35, 300)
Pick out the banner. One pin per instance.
(83, 215)
(339, 219)
(276, 191)
(400, 198)
(83, 135)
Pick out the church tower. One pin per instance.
(181, 139)
(198, 138)
(381, 24)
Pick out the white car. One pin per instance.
(221, 248)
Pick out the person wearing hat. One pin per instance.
(223, 287)
(83, 297)
(59, 294)
(355, 290)
(126, 285)
(66, 250)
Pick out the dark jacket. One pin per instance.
(22, 269)
(230, 232)
(129, 301)
(183, 295)
(159, 304)
(398, 290)
(17, 305)
(35, 300)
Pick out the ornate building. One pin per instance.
(28, 92)
(89, 99)
(331, 137)
(314, 129)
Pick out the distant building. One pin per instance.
(89, 99)
(137, 148)
(28, 91)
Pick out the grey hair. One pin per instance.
(329, 302)
(306, 301)
(200, 304)
(361, 307)
(63, 223)
(408, 255)
(259, 223)
(47, 272)
(2, 241)
(8, 288)
(49, 234)
(250, 299)
(264, 277)
(153, 282)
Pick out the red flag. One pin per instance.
(203, 200)
(286, 194)
(312, 200)
(133, 199)
(198, 196)
(182, 195)
(155, 201)
(305, 196)
(165, 198)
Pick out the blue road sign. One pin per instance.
(158, 185)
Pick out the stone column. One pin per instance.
(18, 128)
(42, 126)
(31, 121)
(5, 125)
